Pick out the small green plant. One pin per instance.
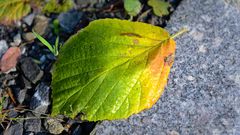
(56, 27)
(57, 6)
(53, 48)
(160, 7)
(133, 7)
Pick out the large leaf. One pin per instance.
(160, 7)
(11, 10)
(133, 7)
(111, 70)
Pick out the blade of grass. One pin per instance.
(56, 46)
(45, 42)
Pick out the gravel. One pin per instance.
(29, 19)
(22, 96)
(17, 39)
(33, 124)
(41, 26)
(203, 91)
(40, 100)
(54, 126)
(69, 20)
(77, 130)
(15, 129)
(3, 47)
(31, 70)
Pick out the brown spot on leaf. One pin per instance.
(169, 59)
(135, 41)
(131, 35)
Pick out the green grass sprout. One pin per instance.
(52, 48)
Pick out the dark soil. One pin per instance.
(33, 72)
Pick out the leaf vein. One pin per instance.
(110, 92)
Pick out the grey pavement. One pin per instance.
(203, 92)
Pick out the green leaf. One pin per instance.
(12, 10)
(58, 6)
(111, 69)
(133, 7)
(160, 7)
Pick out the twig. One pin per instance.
(9, 92)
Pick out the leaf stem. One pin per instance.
(131, 18)
(144, 14)
(183, 30)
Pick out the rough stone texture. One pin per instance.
(69, 20)
(28, 36)
(40, 100)
(22, 96)
(15, 129)
(234, 2)
(41, 26)
(17, 40)
(3, 47)
(29, 19)
(10, 59)
(33, 124)
(203, 92)
(54, 126)
(30, 69)
(77, 130)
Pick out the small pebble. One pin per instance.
(17, 39)
(28, 36)
(15, 129)
(3, 47)
(33, 125)
(54, 126)
(41, 99)
(69, 20)
(31, 70)
(77, 130)
(29, 19)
